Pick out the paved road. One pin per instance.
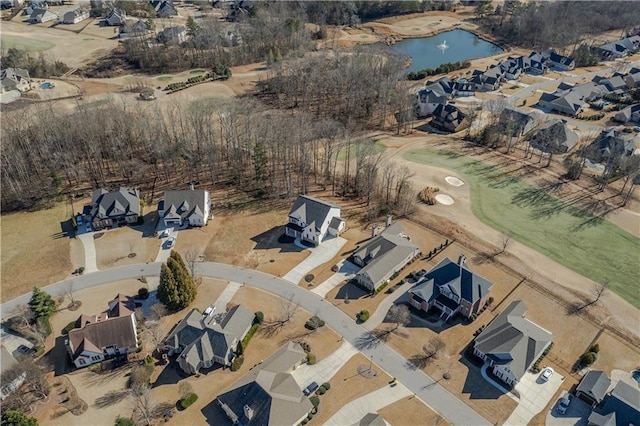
(441, 400)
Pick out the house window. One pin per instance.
(81, 361)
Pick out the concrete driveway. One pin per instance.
(90, 262)
(164, 251)
(11, 341)
(369, 403)
(226, 296)
(346, 271)
(326, 368)
(319, 255)
(534, 396)
(577, 413)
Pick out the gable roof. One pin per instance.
(595, 385)
(385, 252)
(456, 278)
(269, 390)
(124, 201)
(513, 340)
(172, 34)
(185, 203)
(371, 419)
(624, 401)
(119, 331)
(312, 210)
(611, 143)
(448, 114)
(116, 17)
(7, 360)
(164, 7)
(552, 135)
(516, 120)
(41, 13)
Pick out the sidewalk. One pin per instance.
(385, 305)
(369, 403)
(346, 271)
(90, 263)
(326, 368)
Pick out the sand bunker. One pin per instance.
(444, 199)
(454, 181)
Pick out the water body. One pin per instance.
(428, 52)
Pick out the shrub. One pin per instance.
(81, 270)
(67, 328)
(250, 333)
(382, 287)
(188, 401)
(237, 363)
(321, 390)
(588, 358)
(311, 358)
(363, 315)
(595, 348)
(315, 401)
(143, 293)
(304, 422)
(326, 385)
(314, 322)
(148, 360)
(123, 421)
(259, 318)
(490, 301)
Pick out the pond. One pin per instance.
(449, 46)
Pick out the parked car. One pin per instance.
(310, 389)
(166, 233)
(171, 242)
(563, 404)
(546, 374)
(79, 221)
(88, 228)
(25, 350)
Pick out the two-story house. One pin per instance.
(451, 288)
(115, 208)
(191, 207)
(111, 334)
(200, 341)
(313, 220)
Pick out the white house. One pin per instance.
(11, 379)
(191, 207)
(313, 220)
(511, 343)
(74, 16)
(15, 79)
(111, 334)
(42, 15)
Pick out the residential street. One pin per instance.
(441, 400)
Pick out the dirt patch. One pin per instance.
(114, 248)
(347, 385)
(411, 411)
(35, 249)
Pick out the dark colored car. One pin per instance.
(310, 389)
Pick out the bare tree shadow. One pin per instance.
(372, 339)
(110, 398)
(484, 257)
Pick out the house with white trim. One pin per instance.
(185, 207)
(314, 220)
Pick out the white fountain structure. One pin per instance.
(443, 46)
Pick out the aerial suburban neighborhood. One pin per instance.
(291, 213)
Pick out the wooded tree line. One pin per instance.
(541, 25)
(37, 66)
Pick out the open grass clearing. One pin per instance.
(24, 43)
(571, 237)
(164, 78)
(411, 411)
(35, 252)
(377, 148)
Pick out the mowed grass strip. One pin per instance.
(589, 245)
(23, 43)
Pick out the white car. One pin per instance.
(166, 233)
(563, 404)
(546, 373)
(171, 242)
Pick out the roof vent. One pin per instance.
(248, 412)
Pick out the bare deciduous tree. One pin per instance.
(69, 292)
(288, 308)
(506, 239)
(399, 315)
(190, 257)
(143, 404)
(185, 389)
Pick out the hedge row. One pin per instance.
(188, 401)
(442, 69)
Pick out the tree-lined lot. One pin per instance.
(569, 235)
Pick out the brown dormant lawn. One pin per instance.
(411, 411)
(124, 246)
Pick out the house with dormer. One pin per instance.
(451, 288)
(511, 343)
(559, 62)
(200, 341)
(111, 334)
(116, 17)
(185, 207)
(427, 101)
(268, 395)
(313, 220)
(115, 208)
(164, 8)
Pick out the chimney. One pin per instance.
(389, 217)
(248, 412)
(462, 260)
(191, 186)
(374, 230)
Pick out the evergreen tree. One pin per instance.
(17, 418)
(186, 289)
(41, 303)
(168, 289)
(270, 57)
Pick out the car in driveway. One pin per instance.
(563, 404)
(170, 242)
(310, 389)
(79, 221)
(546, 374)
(166, 233)
(88, 227)
(25, 350)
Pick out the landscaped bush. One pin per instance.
(237, 363)
(363, 315)
(588, 358)
(123, 421)
(148, 360)
(382, 287)
(444, 68)
(259, 318)
(249, 335)
(314, 322)
(490, 301)
(304, 422)
(595, 348)
(143, 293)
(315, 401)
(311, 358)
(305, 346)
(188, 401)
(67, 328)
(321, 390)
(326, 385)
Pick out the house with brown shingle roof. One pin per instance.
(110, 334)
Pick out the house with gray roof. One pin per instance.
(314, 220)
(116, 17)
(629, 113)
(442, 87)
(554, 136)
(40, 16)
(371, 419)
(268, 395)
(559, 62)
(571, 100)
(516, 123)
(111, 334)
(11, 379)
(614, 84)
(428, 100)
(620, 408)
(15, 79)
(200, 341)
(448, 118)
(593, 387)
(185, 207)
(164, 8)
(489, 79)
(451, 288)
(610, 146)
(620, 48)
(511, 343)
(173, 35)
(115, 208)
(383, 256)
(132, 29)
(35, 5)
(633, 78)
(75, 15)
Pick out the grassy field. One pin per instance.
(377, 148)
(586, 244)
(23, 43)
